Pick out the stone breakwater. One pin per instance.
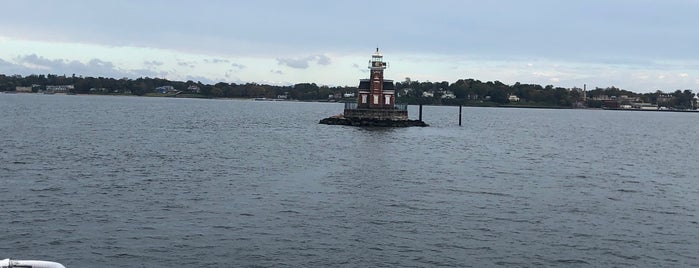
(363, 122)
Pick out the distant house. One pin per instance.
(428, 94)
(165, 89)
(194, 89)
(626, 98)
(59, 88)
(603, 98)
(348, 95)
(23, 89)
(99, 90)
(644, 106)
(406, 91)
(662, 98)
(448, 95)
(513, 98)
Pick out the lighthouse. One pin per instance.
(376, 101)
(376, 95)
(376, 92)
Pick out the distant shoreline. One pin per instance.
(193, 96)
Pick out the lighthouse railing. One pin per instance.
(397, 106)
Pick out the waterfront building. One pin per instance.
(376, 98)
(376, 102)
(59, 89)
(23, 89)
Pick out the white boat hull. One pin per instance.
(7, 263)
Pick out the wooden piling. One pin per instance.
(459, 114)
(420, 118)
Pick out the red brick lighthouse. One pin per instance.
(376, 102)
(376, 98)
(371, 91)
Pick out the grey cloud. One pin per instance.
(201, 79)
(95, 67)
(238, 66)
(153, 63)
(35, 64)
(146, 73)
(230, 74)
(189, 64)
(356, 66)
(10, 68)
(4, 63)
(216, 61)
(323, 60)
(294, 63)
(303, 63)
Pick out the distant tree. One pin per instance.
(498, 94)
(594, 104)
(466, 91)
(683, 99)
(305, 91)
(216, 92)
(460, 88)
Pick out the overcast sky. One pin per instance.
(638, 45)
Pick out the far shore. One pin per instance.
(484, 105)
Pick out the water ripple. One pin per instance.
(170, 182)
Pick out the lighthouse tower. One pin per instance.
(378, 97)
(376, 92)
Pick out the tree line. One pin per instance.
(462, 92)
(474, 93)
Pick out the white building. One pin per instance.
(23, 89)
(165, 89)
(448, 95)
(59, 89)
(194, 89)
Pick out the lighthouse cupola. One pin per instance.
(376, 62)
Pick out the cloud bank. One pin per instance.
(303, 63)
(35, 64)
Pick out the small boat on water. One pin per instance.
(7, 263)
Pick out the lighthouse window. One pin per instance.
(376, 99)
(388, 99)
(363, 98)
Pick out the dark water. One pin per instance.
(155, 182)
